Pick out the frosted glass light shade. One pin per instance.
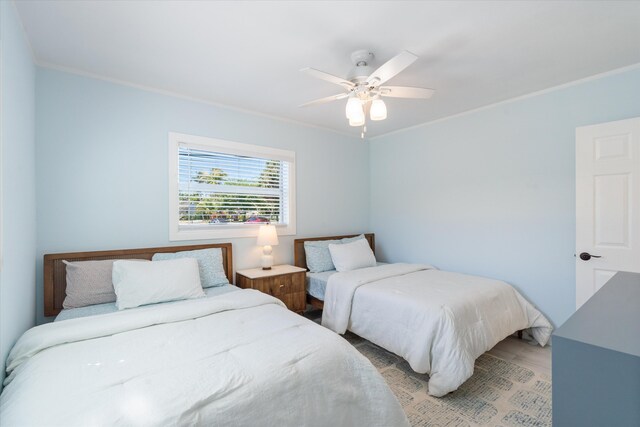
(267, 235)
(354, 107)
(378, 110)
(357, 120)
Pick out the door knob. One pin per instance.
(586, 256)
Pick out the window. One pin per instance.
(222, 189)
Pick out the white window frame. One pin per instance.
(228, 147)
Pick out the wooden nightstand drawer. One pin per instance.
(285, 282)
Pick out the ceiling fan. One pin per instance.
(364, 88)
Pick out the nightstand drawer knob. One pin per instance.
(281, 286)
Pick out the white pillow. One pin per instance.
(140, 283)
(351, 256)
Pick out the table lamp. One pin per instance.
(267, 236)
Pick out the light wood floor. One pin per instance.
(525, 353)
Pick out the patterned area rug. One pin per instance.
(500, 393)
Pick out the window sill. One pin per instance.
(225, 232)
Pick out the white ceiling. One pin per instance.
(248, 54)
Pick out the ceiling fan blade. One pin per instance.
(391, 68)
(328, 77)
(406, 92)
(325, 100)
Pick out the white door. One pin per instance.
(607, 203)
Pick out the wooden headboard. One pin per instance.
(55, 275)
(299, 257)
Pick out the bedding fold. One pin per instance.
(341, 288)
(49, 335)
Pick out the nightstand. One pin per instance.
(285, 282)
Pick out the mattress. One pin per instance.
(92, 310)
(317, 282)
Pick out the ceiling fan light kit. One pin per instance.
(364, 87)
(357, 120)
(378, 110)
(354, 107)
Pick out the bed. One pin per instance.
(235, 357)
(438, 321)
(317, 282)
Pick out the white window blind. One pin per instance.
(226, 189)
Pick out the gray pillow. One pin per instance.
(88, 283)
(318, 255)
(209, 263)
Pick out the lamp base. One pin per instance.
(267, 259)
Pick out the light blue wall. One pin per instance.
(17, 147)
(492, 192)
(488, 193)
(102, 179)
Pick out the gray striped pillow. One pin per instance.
(88, 283)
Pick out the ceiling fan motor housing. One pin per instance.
(362, 69)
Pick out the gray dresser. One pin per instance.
(596, 359)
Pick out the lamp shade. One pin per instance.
(357, 119)
(378, 110)
(354, 107)
(267, 235)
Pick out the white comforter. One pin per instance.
(438, 321)
(238, 359)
